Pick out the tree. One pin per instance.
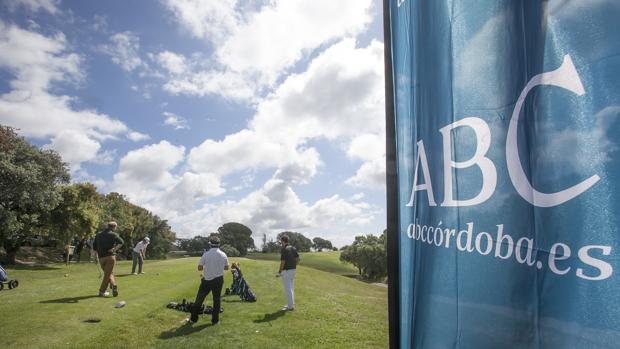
(264, 245)
(319, 244)
(161, 236)
(28, 188)
(237, 235)
(297, 240)
(368, 255)
(230, 251)
(77, 214)
(271, 246)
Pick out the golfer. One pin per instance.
(138, 254)
(212, 263)
(106, 244)
(288, 264)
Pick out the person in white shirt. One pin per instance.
(212, 264)
(138, 254)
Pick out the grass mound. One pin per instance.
(51, 310)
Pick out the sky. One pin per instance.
(266, 113)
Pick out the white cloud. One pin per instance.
(190, 188)
(367, 146)
(65, 142)
(147, 176)
(37, 63)
(124, 50)
(276, 207)
(137, 136)
(149, 166)
(256, 46)
(35, 5)
(175, 121)
(370, 175)
(340, 94)
(174, 63)
(205, 19)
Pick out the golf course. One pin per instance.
(56, 306)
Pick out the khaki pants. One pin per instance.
(107, 264)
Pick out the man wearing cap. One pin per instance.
(212, 263)
(138, 255)
(106, 244)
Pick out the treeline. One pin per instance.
(298, 240)
(235, 240)
(36, 198)
(368, 253)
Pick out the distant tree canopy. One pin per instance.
(230, 251)
(319, 244)
(36, 199)
(236, 235)
(368, 254)
(196, 245)
(298, 240)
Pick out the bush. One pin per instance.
(230, 251)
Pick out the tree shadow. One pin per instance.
(184, 330)
(270, 317)
(69, 300)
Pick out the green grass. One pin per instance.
(49, 310)
(325, 261)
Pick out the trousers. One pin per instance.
(137, 259)
(107, 264)
(288, 281)
(207, 286)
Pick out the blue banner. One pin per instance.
(507, 117)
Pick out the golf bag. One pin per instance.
(240, 287)
(245, 292)
(187, 307)
(4, 279)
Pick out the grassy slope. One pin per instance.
(48, 310)
(325, 261)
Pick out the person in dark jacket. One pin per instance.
(289, 258)
(106, 244)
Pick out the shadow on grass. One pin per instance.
(270, 317)
(184, 330)
(121, 275)
(30, 267)
(367, 281)
(69, 300)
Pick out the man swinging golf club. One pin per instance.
(106, 244)
(138, 254)
(213, 263)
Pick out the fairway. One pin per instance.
(49, 310)
(325, 261)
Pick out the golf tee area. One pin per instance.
(57, 306)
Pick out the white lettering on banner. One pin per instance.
(565, 76)
(428, 186)
(489, 174)
(400, 2)
(523, 250)
(605, 268)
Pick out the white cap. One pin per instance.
(147, 239)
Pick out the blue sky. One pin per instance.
(268, 113)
